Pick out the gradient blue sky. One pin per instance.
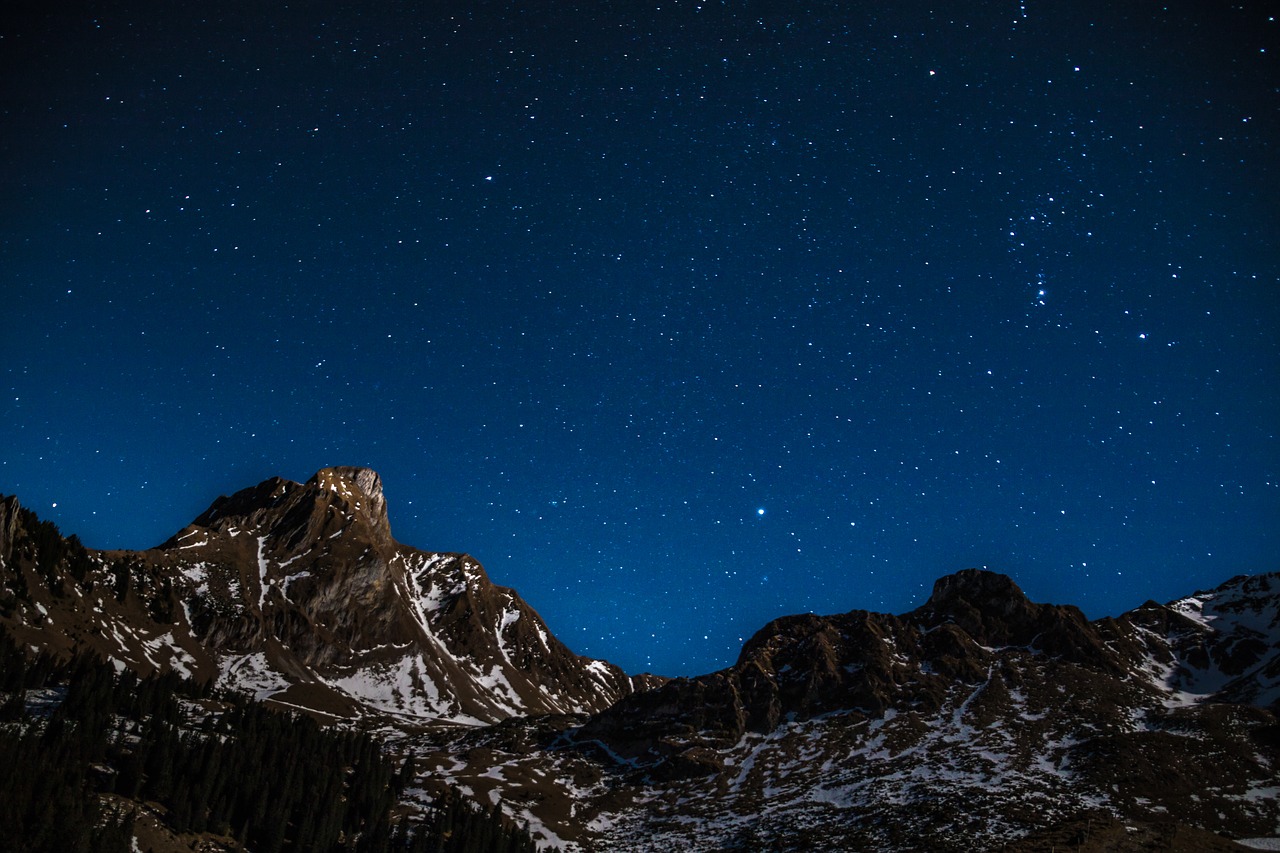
(678, 316)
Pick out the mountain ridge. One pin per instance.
(979, 720)
(298, 591)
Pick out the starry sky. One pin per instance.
(679, 316)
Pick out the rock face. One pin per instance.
(801, 667)
(299, 593)
(1221, 645)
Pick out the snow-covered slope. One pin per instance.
(1233, 653)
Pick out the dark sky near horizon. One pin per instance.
(678, 316)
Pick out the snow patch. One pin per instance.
(262, 572)
(251, 674)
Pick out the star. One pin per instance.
(559, 337)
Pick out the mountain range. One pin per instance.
(978, 721)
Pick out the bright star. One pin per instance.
(760, 511)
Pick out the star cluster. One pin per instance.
(679, 317)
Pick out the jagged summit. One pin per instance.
(988, 606)
(331, 499)
(361, 486)
(979, 586)
(993, 611)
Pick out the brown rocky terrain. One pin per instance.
(978, 721)
(300, 594)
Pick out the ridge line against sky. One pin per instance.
(678, 317)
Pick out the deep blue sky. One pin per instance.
(680, 316)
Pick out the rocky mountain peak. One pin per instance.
(986, 605)
(993, 611)
(980, 588)
(361, 487)
(302, 514)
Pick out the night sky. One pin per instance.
(679, 317)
